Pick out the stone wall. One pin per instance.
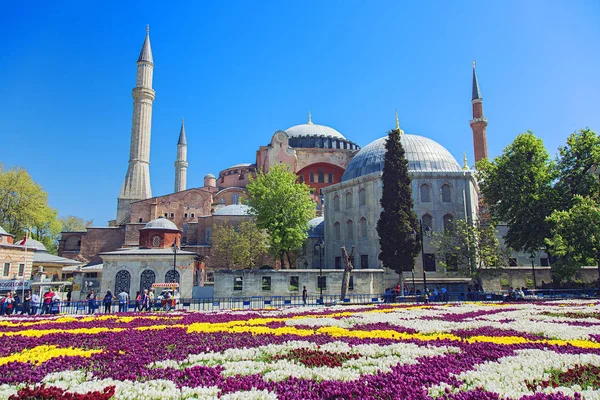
(365, 282)
(522, 276)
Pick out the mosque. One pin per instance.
(345, 185)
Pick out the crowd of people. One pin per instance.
(436, 294)
(11, 303)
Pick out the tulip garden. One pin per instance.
(393, 351)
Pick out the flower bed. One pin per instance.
(408, 351)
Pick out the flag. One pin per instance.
(24, 240)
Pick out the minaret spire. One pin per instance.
(181, 163)
(465, 163)
(398, 124)
(137, 180)
(309, 118)
(479, 122)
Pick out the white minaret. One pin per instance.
(181, 163)
(137, 181)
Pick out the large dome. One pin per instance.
(313, 130)
(423, 154)
(161, 223)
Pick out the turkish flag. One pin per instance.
(24, 240)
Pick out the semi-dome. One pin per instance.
(161, 223)
(233, 209)
(316, 227)
(313, 130)
(423, 154)
(32, 244)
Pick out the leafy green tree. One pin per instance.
(397, 226)
(224, 242)
(470, 249)
(576, 234)
(24, 206)
(71, 223)
(517, 187)
(578, 166)
(282, 208)
(252, 244)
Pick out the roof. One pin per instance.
(233, 209)
(316, 227)
(210, 176)
(85, 268)
(476, 90)
(182, 139)
(311, 129)
(161, 223)
(423, 154)
(32, 244)
(240, 166)
(155, 251)
(43, 257)
(146, 53)
(4, 233)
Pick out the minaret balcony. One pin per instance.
(476, 120)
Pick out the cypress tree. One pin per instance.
(398, 227)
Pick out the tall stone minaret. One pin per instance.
(479, 122)
(137, 181)
(181, 163)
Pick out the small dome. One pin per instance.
(32, 244)
(234, 209)
(161, 223)
(209, 176)
(313, 130)
(316, 227)
(423, 154)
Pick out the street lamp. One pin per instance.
(428, 234)
(532, 258)
(174, 248)
(319, 247)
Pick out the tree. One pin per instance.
(282, 208)
(71, 223)
(224, 242)
(577, 167)
(252, 244)
(397, 225)
(517, 187)
(470, 248)
(24, 206)
(576, 234)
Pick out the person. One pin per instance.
(91, 298)
(47, 301)
(151, 298)
(304, 295)
(69, 293)
(16, 303)
(26, 303)
(145, 301)
(8, 303)
(35, 303)
(444, 294)
(55, 304)
(108, 297)
(167, 300)
(123, 300)
(138, 301)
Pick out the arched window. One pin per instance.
(336, 231)
(362, 197)
(336, 203)
(156, 241)
(349, 230)
(147, 278)
(122, 282)
(446, 198)
(362, 228)
(427, 221)
(425, 193)
(348, 200)
(235, 198)
(171, 276)
(448, 222)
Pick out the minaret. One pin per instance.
(137, 181)
(479, 122)
(181, 163)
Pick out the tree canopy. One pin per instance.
(282, 208)
(238, 246)
(398, 227)
(71, 223)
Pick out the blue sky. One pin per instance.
(238, 71)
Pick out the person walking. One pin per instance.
(108, 298)
(91, 298)
(26, 303)
(151, 298)
(138, 301)
(145, 301)
(35, 304)
(123, 300)
(304, 295)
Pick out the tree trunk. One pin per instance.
(347, 269)
(289, 259)
(281, 260)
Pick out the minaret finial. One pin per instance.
(474, 64)
(309, 118)
(147, 28)
(465, 163)
(182, 121)
(397, 121)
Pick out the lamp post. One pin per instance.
(532, 258)
(319, 247)
(428, 234)
(174, 248)
(413, 279)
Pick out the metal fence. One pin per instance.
(266, 302)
